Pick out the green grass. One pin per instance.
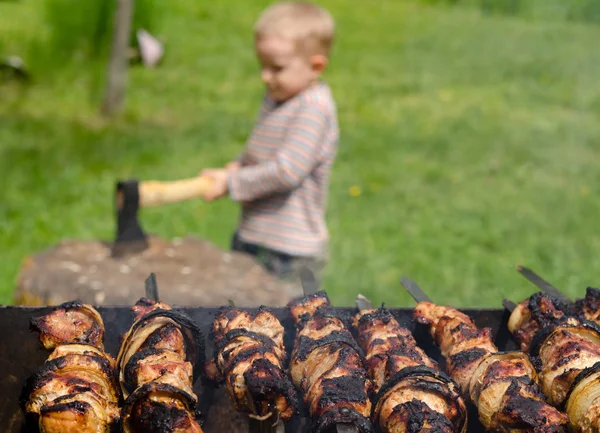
(473, 138)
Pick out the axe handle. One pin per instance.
(154, 193)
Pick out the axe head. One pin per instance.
(130, 236)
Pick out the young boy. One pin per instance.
(282, 177)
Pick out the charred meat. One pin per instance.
(502, 385)
(412, 393)
(71, 322)
(249, 357)
(158, 362)
(588, 307)
(567, 347)
(533, 314)
(328, 367)
(76, 389)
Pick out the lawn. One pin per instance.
(469, 144)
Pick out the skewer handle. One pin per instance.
(152, 287)
(363, 303)
(414, 290)
(509, 305)
(542, 284)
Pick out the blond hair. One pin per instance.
(310, 26)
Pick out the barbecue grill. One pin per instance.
(23, 353)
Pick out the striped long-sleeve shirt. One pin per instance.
(284, 178)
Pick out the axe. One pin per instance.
(133, 194)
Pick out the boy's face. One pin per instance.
(284, 70)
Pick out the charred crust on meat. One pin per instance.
(591, 302)
(415, 414)
(546, 309)
(567, 324)
(164, 388)
(306, 345)
(380, 314)
(156, 417)
(159, 335)
(239, 332)
(341, 415)
(304, 300)
(343, 389)
(564, 361)
(49, 368)
(416, 370)
(464, 358)
(244, 355)
(271, 385)
(526, 413)
(131, 368)
(450, 394)
(75, 405)
(193, 337)
(582, 375)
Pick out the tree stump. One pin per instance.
(189, 271)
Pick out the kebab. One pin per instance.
(587, 308)
(412, 394)
(159, 360)
(76, 388)
(328, 367)
(567, 348)
(249, 356)
(502, 385)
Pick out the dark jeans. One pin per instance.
(283, 266)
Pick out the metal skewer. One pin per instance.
(152, 287)
(509, 305)
(544, 285)
(414, 290)
(362, 303)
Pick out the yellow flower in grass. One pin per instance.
(355, 190)
(585, 190)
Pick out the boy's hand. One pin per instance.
(233, 166)
(219, 177)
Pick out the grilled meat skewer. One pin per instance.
(530, 315)
(159, 360)
(71, 322)
(76, 388)
(412, 393)
(328, 367)
(249, 356)
(502, 385)
(567, 348)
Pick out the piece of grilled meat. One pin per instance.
(71, 322)
(159, 360)
(412, 393)
(502, 385)
(328, 367)
(567, 348)
(533, 314)
(249, 356)
(76, 388)
(588, 307)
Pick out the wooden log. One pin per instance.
(191, 272)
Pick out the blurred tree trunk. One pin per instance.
(117, 66)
